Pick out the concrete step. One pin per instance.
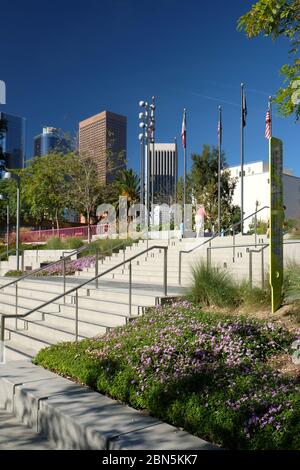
(42, 329)
(16, 436)
(108, 318)
(23, 338)
(91, 326)
(97, 304)
(144, 278)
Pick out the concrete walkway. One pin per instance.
(17, 436)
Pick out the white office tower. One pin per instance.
(257, 190)
(163, 173)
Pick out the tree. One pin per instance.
(46, 186)
(204, 181)
(128, 184)
(85, 188)
(9, 189)
(188, 190)
(276, 18)
(115, 159)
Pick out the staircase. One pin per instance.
(106, 307)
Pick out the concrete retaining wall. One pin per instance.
(74, 417)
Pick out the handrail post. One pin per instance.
(250, 268)
(130, 288)
(208, 257)
(233, 240)
(2, 339)
(22, 261)
(97, 268)
(166, 271)
(16, 307)
(262, 269)
(76, 315)
(179, 268)
(64, 276)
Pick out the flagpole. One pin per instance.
(242, 158)
(270, 109)
(184, 176)
(219, 169)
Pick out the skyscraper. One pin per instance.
(103, 138)
(12, 141)
(49, 141)
(164, 169)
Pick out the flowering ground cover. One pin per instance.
(204, 372)
(71, 266)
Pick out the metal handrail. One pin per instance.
(262, 265)
(262, 246)
(231, 228)
(35, 271)
(95, 278)
(63, 259)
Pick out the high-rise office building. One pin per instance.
(103, 138)
(49, 141)
(12, 141)
(164, 169)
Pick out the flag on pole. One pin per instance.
(183, 130)
(268, 133)
(244, 109)
(220, 127)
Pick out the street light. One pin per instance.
(5, 198)
(147, 125)
(8, 175)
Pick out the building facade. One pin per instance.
(164, 172)
(103, 138)
(257, 190)
(49, 141)
(13, 141)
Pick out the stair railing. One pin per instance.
(232, 229)
(74, 290)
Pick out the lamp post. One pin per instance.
(147, 124)
(8, 176)
(5, 198)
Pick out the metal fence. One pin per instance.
(43, 235)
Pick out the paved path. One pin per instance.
(16, 436)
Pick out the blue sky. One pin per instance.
(64, 61)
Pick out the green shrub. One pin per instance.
(261, 227)
(291, 283)
(195, 370)
(54, 243)
(213, 286)
(254, 296)
(13, 273)
(72, 243)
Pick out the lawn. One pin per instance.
(209, 373)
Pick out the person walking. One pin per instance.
(199, 221)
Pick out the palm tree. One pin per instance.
(128, 185)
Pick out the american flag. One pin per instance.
(183, 130)
(244, 109)
(268, 133)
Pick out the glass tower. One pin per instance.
(49, 141)
(12, 141)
